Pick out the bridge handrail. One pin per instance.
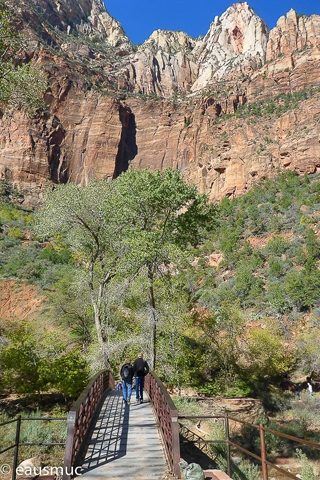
(81, 415)
(167, 419)
(262, 429)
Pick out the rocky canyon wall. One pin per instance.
(239, 104)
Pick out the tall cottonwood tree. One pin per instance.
(88, 221)
(140, 223)
(163, 217)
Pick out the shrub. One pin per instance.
(307, 472)
(276, 268)
(277, 245)
(55, 256)
(16, 232)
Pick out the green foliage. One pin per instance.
(15, 232)
(275, 268)
(307, 472)
(302, 287)
(68, 374)
(267, 352)
(21, 85)
(276, 298)
(140, 224)
(277, 245)
(31, 368)
(277, 105)
(56, 256)
(23, 368)
(248, 287)
(309, 349)
(220, 351)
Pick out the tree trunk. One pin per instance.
(153, 320)
(98, 325)
(96, 305)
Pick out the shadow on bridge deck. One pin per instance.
(124, 443)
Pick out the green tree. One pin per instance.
(303, 287)
(89, 220)
(23, 369)
(140, 223)
(68, 374)
(164, 216)
(175, 355)
(72, 307)
(309, 349)
(30, 365)
(268, 353)
(312, 244)
(222, 340)
(21, 85)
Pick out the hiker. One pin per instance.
(141, 369)
(296, 391)
(127, 374)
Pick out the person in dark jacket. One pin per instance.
(127, 374)
(141, 369)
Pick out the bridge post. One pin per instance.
(175, 443)
(228, 444)
(263, 452)
(71, 422)
(16, 450)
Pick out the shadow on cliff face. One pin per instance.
(57, 167)
(127, 148)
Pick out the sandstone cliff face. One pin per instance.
(88, 17)
(111, 108)
(293, 33)
(160, 73)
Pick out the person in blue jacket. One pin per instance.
(127, 374)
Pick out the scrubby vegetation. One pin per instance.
(236, 311)
(248, 318)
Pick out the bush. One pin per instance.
(277, 245)
(16, 232)
(28, 368)
(54, 256)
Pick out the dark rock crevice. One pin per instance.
(127, 148)
(58, 174)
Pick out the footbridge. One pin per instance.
(110, 440)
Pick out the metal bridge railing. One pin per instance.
(262, 429)
(18, 444)
(80, 418)
(167, 419)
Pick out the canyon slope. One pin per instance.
(227, 109)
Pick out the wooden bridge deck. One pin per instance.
(124, 443)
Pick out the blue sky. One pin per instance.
(140, 18)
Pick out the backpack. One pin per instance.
(193, 471)
(126, 372)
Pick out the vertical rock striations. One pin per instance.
(229, 108)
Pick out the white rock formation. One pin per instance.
(169, 41)
(238, 39)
